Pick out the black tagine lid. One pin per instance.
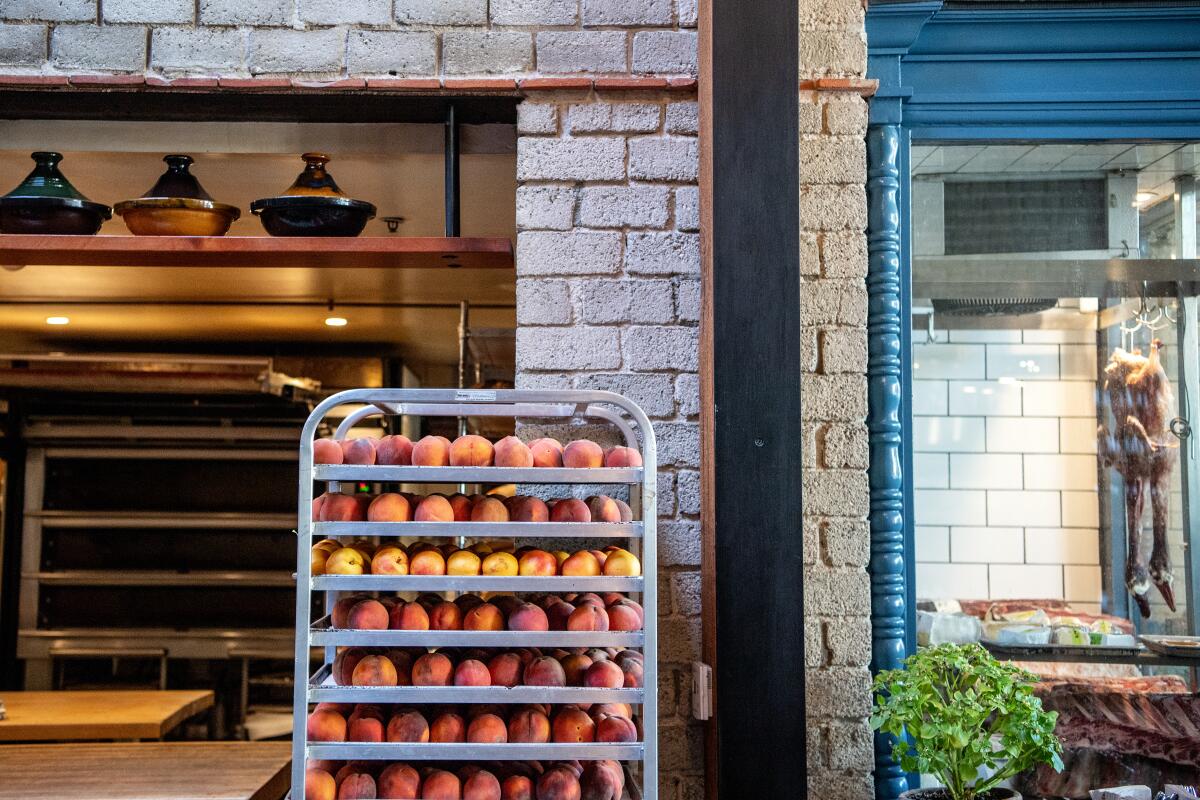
(178, 181)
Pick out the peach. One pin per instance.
(318, 561)
(537, 563)
(461, 504)
(546, 452)
(389, 560)
(626, 511)
(489, 509)
(446, 616)
(471, 672)
(482, 785)
(368, 615)
(399, 782)
(365, 729)
(622, 457)
(427, 562)
(408, 726)
(448, 549)
(448, 728)
(374, 671)
(357, 786)
(344, 663)
(326, 451)
(624, 615)
(394, 450)
(341, 508)
(571, 724)
(409, 617)
(602, 780)
(604, 675)
(580, 564)
(575, 666)
(512, 452)
(560, 556)
(559, 613)
(434, 508)
(634, 674)
(603, 509)
(613, 728)
(389, 507)
(463, 562)
(471, 451)
(619, 709)
(505, 669)
(622, 562)
(588, 617)
(529, 726)
(528, 509)
(441, 785)
(483, 617)
(487, 729)
(499, 564)
(432, 669)
(601, 556)
(517, 787)
(588, 598)
(570, 510)
(317, 504)
(481, 549)
(319, 785)
(431, 451)
(326, 725)
(358, 451)
(544, 671)
(403, 662)
(583, 454)
(528, 617)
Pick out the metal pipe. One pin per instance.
(452, 183)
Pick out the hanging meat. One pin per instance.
(1141, 449)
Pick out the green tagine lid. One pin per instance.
(46, 180)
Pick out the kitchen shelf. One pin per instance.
(201, 520)
(482, 530)
(251, 252)
(378, 474)
(398, 751)
(1143, 659)
(476, 583)
(394, 638)
(157, 577)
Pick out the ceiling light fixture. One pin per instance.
(58, 320)
(336, 322)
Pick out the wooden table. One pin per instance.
(146, 771)
(101, 714)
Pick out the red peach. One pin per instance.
(602, 780)
(432, 669)
(374, 671)
(612, 728)
(570, 510)
(588, 617)
(546, 452)
(431, 451)
(319, 784)
(344, 664)
(623, 457)
(517, 787)
(471, 451)
(529, 509)
(634, 674)
(483, 617)
(325, 725)
(394, 450)
(427, 562)
(358, 451)
(487, 729)
(341, 508)
(326, 451)
(446, 616)
(624, 615)
(471, 672)
(573, 725)
(357, 786)
(512, 452)
(544, 671)
(365, 729)
(528, 617)
(409, 617)
(482, 785)
(505, 669)
(408, 726)
(448, 728)
(339, 617)
(583, 454)
(489, 509)
(559, 613)
(537, 563)
(575, 666)
(441, 785)
(389, 507)
(604, 675)
(434, 508)
(368, 615)
(603, 509)
(528, 726)
(399, 782)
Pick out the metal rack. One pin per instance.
(560, 407)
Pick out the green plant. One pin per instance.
(964, 710)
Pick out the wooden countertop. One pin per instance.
(145, 771)
(100, 714)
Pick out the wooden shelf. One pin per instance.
(364, 252)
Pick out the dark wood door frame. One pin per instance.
(750, 395)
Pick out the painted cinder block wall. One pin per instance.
(608, 250)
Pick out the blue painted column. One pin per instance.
(885, 425)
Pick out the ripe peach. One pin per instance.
(528, 617)
(588, 598)
(512, 452)
(622, 562)
(583, 454)
(427, 562)
(619, 709)
(517, 787)
(626, 511)
(612, 728)
(461, 504)
(341, 508)
(602, 780)
(634, 674)
(358, 451)
(463, 562)
(326, 725)
(394, 450)
(624, 615)
(344, 663)
(529, 726)
(505, 669)
(471, 672)
(446, 616)
(319, 785)
(537, 563)
(546, 452)
(604, 509)
(409, 617)
(399, 782)
(432, 669)
(367, 728)
(326, 451)
(317, 504)
(448, 728)
(544, 671)
(403, 662)
(499, 564)
(570, 510)
(471, 451)
(575, 666)
(441, 785)
(389, 560)
(318, 561)
(389, 507)
(431, 451)
(368, 615)
(374, 671)
(434, 508)
(487, 729)
(357, 786)
(571, 724)
(558, 613)
(408, 725)
(604, 675)
(482, 785)
(489, 509)
(587, 617)
(601, 556)
(581, 563)
(622, 457)
(528, 509)
(483, 617)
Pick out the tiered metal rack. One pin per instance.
(639, 759)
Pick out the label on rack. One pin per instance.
(475, 396)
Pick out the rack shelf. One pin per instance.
(377, 474)
(496, 530)
(349, 636)
(634, 751)
(476, 583)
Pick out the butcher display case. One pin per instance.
(1055, 388)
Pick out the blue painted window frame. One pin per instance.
(969, 75)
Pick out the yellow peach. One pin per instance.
(463, 562)
(622, 562)
(346, 561)
(500, 564)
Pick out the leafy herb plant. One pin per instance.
(963, 710)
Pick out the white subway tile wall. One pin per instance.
(1004, 431)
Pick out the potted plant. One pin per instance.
(954, 710)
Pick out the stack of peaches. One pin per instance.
(405, 507)
(472, 451)
(517, 780)
(570, 612)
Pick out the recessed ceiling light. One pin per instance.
(336, 322)
(58, 320)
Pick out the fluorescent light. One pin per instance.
(58, 320)
(336, 322)
(1144, 198)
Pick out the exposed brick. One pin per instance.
(662, 253)
(537, 118)
(846, 541)
(667, 159)
(687, 489)
(666, 494)
(99, 47)
(392, 52)
(568, 253)
(22, 45)
(843, 350)
(830, 14)
(239, 12)
(545, 207)
(542, 302)
(679, 641)
(542, 380)
(687, 208)
(570, 348)
(679, 543)
(844, 255)
(810, 254)
(591, 159)
(825, 302)
(534, 12)
(318, 50)
(810, 537)
(810, 353)
(678, 443)
(683, 118)
(441, 12)
(623, 206)
(850, 745)
(841, 785)
(687, 12)
(834, 398)
(814, 641)
(50, 10)
(811, 116)
(847, 117)
(849, 641)
(686, 591)
(833, 159)
(832, 208)
(650, 391)
(185, 49)
(661, 347)
(161, 11)
(581, 51)
(615, 117)
(838, 692)
(486, 52)
(687, 300)
(836, 52)
(664, 52)
(626, 12)
(344, 12)
(608, 301)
